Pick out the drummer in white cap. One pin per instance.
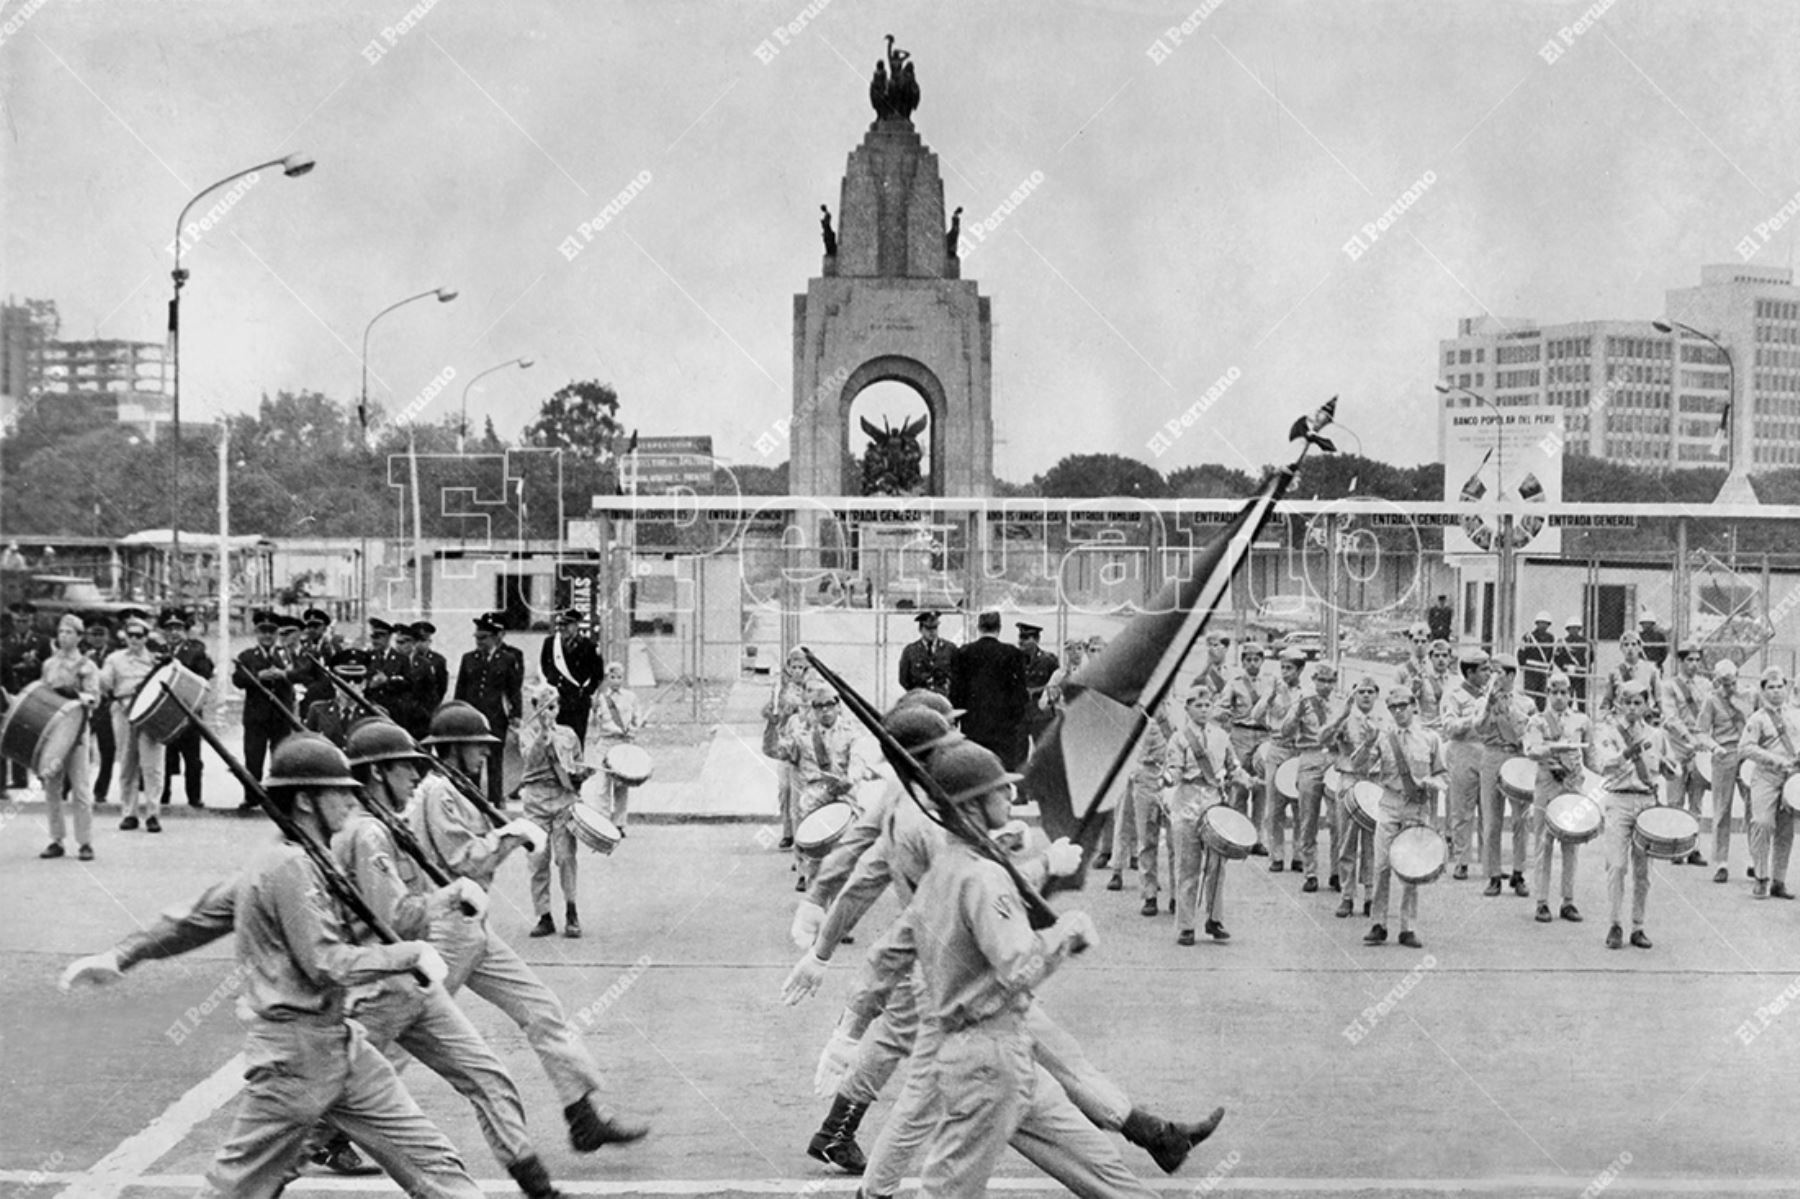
(1199, 764)
(615, 721)
(1408, 761)
(1721, 726)
(1272, 712)
(1771, 737)
(123, 672)
(1355, 846)
(71, 674)
(1502, 733)
(549, 784)
(1459, 721)
(1629, 753)
(1558, 738)
(828, 763)
(1684, 690)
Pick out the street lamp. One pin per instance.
(1503, 581)
(1730, 384)
(293, 166)
(462, 430)
(444, 296)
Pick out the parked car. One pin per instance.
(54, 595)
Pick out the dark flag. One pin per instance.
(1082, 766)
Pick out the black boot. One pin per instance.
(591, 1127)
(571, 922)
(337, 1154)
(835, 1142)
(533, 1179)
(1165, 1141)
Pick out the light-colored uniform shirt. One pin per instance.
(124, 671)
(1460, 713)
(1721, 721)
(1548, 727)
(1503, 719)
(1763, 742)
(390, 882)
(1644, 670)
(1273, 712)
(617, 715)
(1421, 749)
(1682, 699)
(1355, 730)
(453, 830)
(1242, 694)
(1611, 741)
(909, 842)
(72, 673)
(1197, 763)
(1306, 720)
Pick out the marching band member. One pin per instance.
(1683, 693)
(1502, 735)
(549, 785)
(616, 719)
(1429, 687)
(1416, 666)
(1272, 711)
(1198, 765)
(1557, 738)
(1152, 814)
(828, 763)
(1629, 753)
(1310, 724)
(788, 699)
(71, 674)
(1459, 722)
(1633, 668)
(1769, 740)
(1719, 728)
(139, 755)
(1356, 846)
(1243, 692)
(1408, 761)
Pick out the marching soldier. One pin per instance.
(1408, 761)
(927, 661)
(1770, 738)
(1244, 691)
(1720, 729)
(461, 842)
(1501, 731)
(183, 753)
(122, 675)
(265, 722)
(1460, 718)
(571, 663)
(1558, 739)
(71, 674)
(1684, 691)
(1199, 765)
(1629, 753)
(489, 679)
(1040, 665)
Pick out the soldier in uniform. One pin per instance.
(435, 682)
(1244, 691)
(1656, 642)
(1440, 619)
(1633, 667)
(1684, 691)
(926, 662)
(1574, 657)
(571, 663)
(139, 756)
(387, 667)
(316, 649)
(1558, 738)
(1272, 711)
(1198, 765)
(183, 753)
(265, 722)
(1460, 716)
(1356, 845)
(408, 704)
(1720, 729)
(1771, 740)
(1407, 759)
(71, 674)
(1628, 752)
(1040, 665)
(298, 962)
(1310, 726)
(1501, 731)
(489, 679)
(462, 842)
(1537, 658)
(331, 718)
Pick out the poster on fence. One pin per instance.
(1515, 454)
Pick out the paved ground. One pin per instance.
(1517, 1059)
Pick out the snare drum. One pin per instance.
(1362, 803)
(1227, 831)
(1574, 819)
(1790, 793)
(1703, 764)
(154, 714)
(596, 790)
(1666, 832)
(815, 835)
(1334, 782)
(592, 829)
(1417, 855)
(40, 728)
(1518, 779)
(630, 764)
(1287, 779)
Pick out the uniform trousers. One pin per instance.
(1278, 805)
(1396, 814)
(553, 810)
(1247, 745)
(787, 790)
(101, 730)
(481, 960)
(618, 795)
(1687, 788)
(1622, 852)
(297, 1073)
(403, 1018)
(259, 739)
(888, 1042)
(1543, 844)
(182, 756)
(1494, 806)
(1199, 871)
(1356, 844)
(1152, 830)
(1726, 795)
(1124, 830)
(1464, 761)
(139, 757)
(1312, 807)
(1771, 825)
(73, 769)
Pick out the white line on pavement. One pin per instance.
(136, 1153)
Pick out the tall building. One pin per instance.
(1635, 394)
(78, 384)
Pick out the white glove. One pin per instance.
(809, 918)
(1011, 836)
(804, 979)
(466, 893)
(431, 963)
(1062, 858)
(834, 1063)
(97, 969)
(1076, 931)
(527, 831)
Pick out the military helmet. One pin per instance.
(918, 729)
(307, 760)
(458, 722)
(373, 741)
(968, 771)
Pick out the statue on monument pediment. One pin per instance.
(826, 232)
(891, 464)
(953, 238)
(894, 90)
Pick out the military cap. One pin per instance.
(423, 629)
(487, 622)
(1504, 662)
(569, 616)
(926, 618)
(173, 617)
(379, 627)
(1296, 654)
(315, 616)
(1634, 687)
(1687, 648)
(262, 618)
(1472, 656)
(1725, 668)
(1028, 630)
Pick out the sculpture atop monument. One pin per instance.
(891, 464)
(894, 91)
(826, 232)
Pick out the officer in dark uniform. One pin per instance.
(926, 662)
(987, 681)
(412, 681)
(331, 718)
(317, 649)
(1573, 657)
(99, 643)
(183, 753)
(572, 664)
(387, 667)
(489, 679)
(266, 720)
(1040, 664)
(1656, 642)
(1537, 657)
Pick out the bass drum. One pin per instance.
(41, 725)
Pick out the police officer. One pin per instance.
(316, 649)
(1772, 740)
(1537, 657)
(927, 661)
(461, 842)
(1460, 717)
(1408, 761)
(1684, 691)
(332, 717)
(98, 644)
(1720, 728)
(266, 720)
(570, 662)
(183, 753)
(387, 684)
(1574, 657)
(1628, 753)
(1501, 731)
(490, 678)
(1558, 738)
(434, 682)
(1040, 664)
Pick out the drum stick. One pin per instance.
(335, 879)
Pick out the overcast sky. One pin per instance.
(1192, 219)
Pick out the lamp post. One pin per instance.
(462, 428)
(293, 166)
(1730, 387)
(444, 296)
(1504, 584)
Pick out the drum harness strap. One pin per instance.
(1209, 774)
(1781, 731)
(613, 709)
(1409, 786)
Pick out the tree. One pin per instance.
(1210, 481)
(580, 416)
(1084, 476)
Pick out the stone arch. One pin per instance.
(897, 368)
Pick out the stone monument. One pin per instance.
(890, 305)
